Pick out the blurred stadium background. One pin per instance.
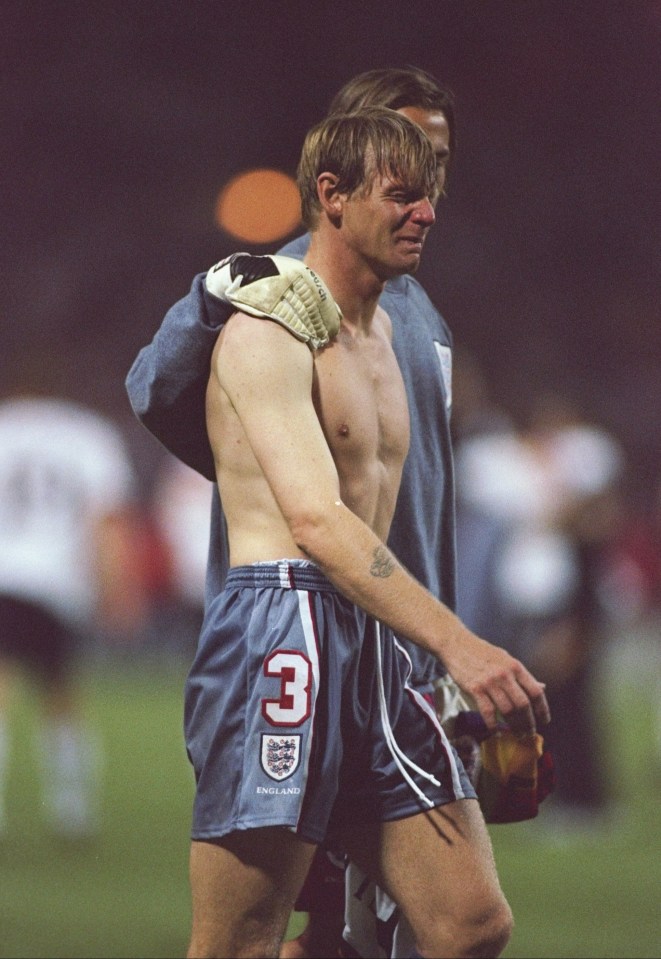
(125, 125)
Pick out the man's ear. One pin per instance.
(330, 199)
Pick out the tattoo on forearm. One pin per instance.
(383, 565)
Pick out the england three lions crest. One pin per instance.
(280, 755)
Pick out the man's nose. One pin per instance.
(424, 212)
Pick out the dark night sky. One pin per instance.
(121, 120)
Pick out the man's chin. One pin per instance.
(401, 266)
(409, 264)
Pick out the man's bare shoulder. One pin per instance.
(242, 332)
(254, 346)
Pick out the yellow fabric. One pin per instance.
(507, 785)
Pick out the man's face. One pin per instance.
(435, 125)
(387, 225)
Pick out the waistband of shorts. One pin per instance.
(282, 574)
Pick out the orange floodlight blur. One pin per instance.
(259, 206)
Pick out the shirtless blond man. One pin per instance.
(299, 722)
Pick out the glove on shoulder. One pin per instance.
(279, 288)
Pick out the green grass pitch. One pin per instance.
(125, 894)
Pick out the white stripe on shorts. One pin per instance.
(424, 705)
(309, 635)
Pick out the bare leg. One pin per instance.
(439, 868)
(321, 938)
(323, 899)
(6, 682)
(243, 889)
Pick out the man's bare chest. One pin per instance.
(361, 401)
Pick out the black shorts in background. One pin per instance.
(36, 638)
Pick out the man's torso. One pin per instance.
(359, 397)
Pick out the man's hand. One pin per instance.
(279, 288)
(498, 683)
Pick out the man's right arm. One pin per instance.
(167, 382)
(267, 376)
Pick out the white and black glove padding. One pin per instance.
(280, 288)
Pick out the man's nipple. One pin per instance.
(343, 430)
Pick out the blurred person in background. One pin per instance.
(554, 490)
(632, 594)
(653, 607)
(179, 508)
(635, 584)
(482, 530)
(583, 468)
(66, 517)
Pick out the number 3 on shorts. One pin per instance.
(295, 673)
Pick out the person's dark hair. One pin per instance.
(358, 146)
(396, 87)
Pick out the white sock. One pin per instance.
(70, 759)
(4, 762)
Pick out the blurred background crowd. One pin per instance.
(122, 122)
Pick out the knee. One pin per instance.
(491, 932)
(479, 932)
(247, 945)
(485, 932)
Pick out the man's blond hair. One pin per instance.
(356, 147)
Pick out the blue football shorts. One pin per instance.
(298, 713)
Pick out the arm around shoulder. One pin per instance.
(167, 382)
